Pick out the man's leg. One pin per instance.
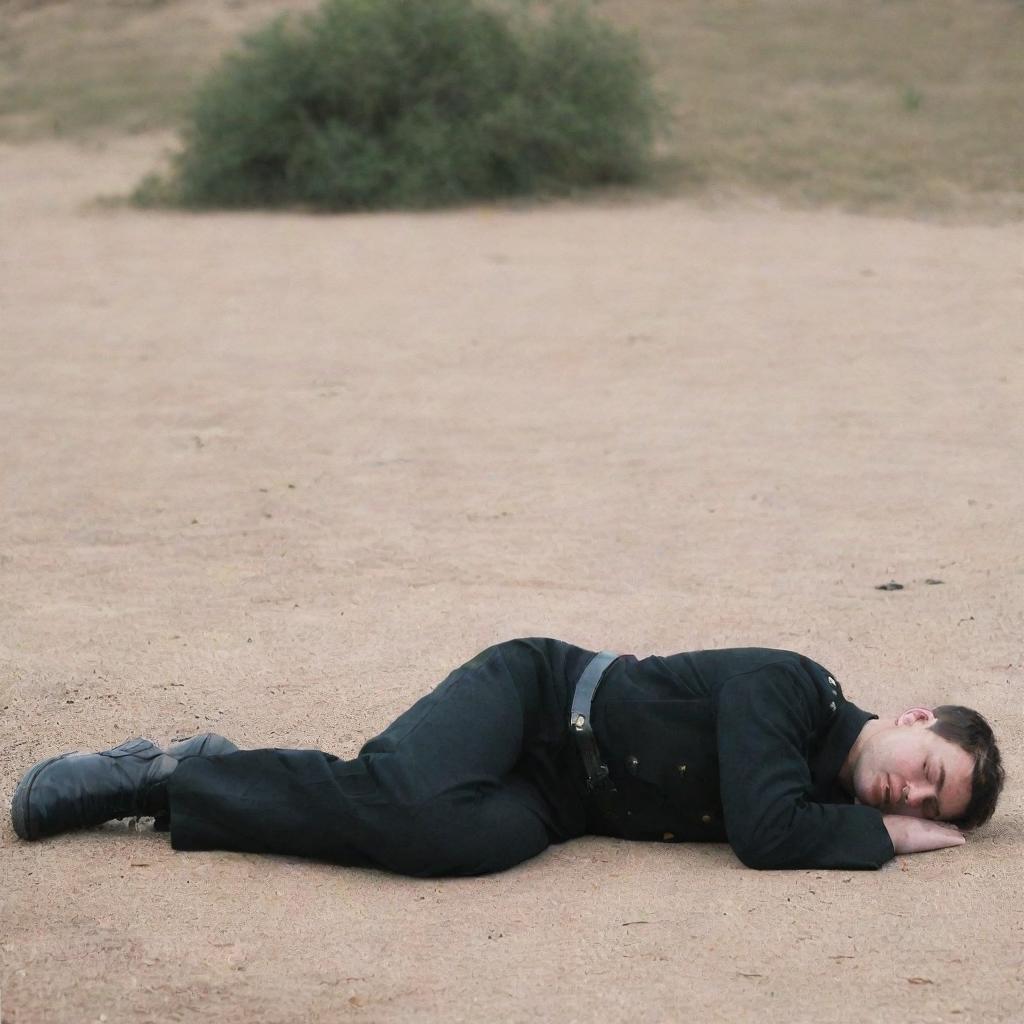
(436, 793)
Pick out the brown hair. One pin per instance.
(969, 731)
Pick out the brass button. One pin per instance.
(669, 835)
(632, 763)
(681, 769)
(580, 721)
(832, 705)
(706, 818)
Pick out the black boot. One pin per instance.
(82, 790)
(207, 744)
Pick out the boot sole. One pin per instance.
(20, 816)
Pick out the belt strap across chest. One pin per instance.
(579, 719)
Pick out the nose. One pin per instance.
(915, 794)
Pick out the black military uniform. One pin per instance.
(740, 745)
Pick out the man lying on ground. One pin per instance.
(537, 741)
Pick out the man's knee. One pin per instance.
(464, 838)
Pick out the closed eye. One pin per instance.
(932, 805)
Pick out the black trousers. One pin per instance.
(477, 776)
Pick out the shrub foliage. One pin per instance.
(371, 103)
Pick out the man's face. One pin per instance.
(908, 769)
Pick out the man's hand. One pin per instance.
(918, 835)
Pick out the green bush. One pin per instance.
(371, 103)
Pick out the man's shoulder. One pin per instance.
(728, 661)
(736, 664)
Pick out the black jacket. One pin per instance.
(741, 745)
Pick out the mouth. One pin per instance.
(884, 791)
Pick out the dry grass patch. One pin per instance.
(91, 67)
(906, 105)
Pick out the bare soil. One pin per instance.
(275, 475)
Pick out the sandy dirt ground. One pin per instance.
(275, 475)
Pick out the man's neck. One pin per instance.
(846, 771)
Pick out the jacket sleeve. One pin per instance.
(765, 721)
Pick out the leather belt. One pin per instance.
(579, 720)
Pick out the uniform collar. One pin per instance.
(828, 758)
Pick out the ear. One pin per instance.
(914, 715)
